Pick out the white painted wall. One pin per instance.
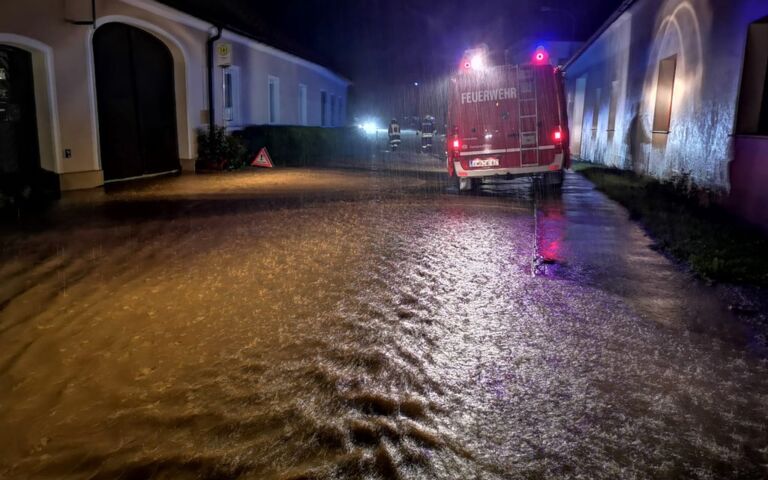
(63, 65)
(708, 37)
(257, 66)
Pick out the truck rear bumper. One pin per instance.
(555, 166)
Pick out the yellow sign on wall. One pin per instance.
(224, 54)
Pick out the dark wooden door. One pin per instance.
(136, 102)
(19, 148)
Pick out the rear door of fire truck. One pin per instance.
(484, 118)
(521, 131)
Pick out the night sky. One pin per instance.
(380, 44)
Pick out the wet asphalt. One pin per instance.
(365, 321)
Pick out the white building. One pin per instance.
(672, 87)
(120, 87)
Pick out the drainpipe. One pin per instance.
(209, 50)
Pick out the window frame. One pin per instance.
(665, 95)
(596, 107)
(323, 108)
(613, 105)
(231, 114)
(302, 100)
(273, 105)
(332, 103)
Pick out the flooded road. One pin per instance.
(335, 324)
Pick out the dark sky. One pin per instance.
(382, 43)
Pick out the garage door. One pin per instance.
(136, 103)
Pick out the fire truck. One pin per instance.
(506, 121)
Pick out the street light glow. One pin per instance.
(369, 127)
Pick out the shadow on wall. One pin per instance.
(638, 141)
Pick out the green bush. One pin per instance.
(218, 150)
(304, 146)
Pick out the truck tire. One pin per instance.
(554, 179)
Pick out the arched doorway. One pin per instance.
(19, 148)
(136, 102)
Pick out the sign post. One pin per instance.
(223, 54)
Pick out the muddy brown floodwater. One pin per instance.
(333, 324)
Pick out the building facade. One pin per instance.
(116, 89)
(678, 87)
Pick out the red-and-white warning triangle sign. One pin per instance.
(262, 159)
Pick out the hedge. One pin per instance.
(304, 146)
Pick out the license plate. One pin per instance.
(484, 162)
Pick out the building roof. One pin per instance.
(232, 16)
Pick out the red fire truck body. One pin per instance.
(507, 121)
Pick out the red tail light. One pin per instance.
(456, 143)
(558, 135)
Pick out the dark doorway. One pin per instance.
(23, 183)
(136, 103)
(19, 149)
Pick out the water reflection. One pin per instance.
(378, 336)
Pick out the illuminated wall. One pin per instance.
(63, 67)
(623, 103)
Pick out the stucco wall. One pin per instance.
(42, 21)
(71, 120)
(255, 68)
(708, 37)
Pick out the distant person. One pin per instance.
(394, 134)
(427, 133)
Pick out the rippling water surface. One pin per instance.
(397, 336)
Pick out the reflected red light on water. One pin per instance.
(551, 232)
(551, 250)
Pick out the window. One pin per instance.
(231, 95)
(274, 100)
(302, 104)
(323, 108)
(662, 114)
(333, 110)
(613, 105)
(752, 117)
(596, 110)
(577, 122)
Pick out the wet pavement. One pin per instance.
(296, 324)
